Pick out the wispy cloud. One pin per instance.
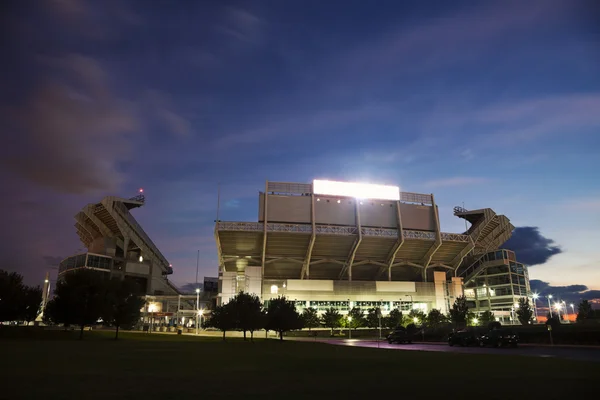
(455, 181)
(242, 25)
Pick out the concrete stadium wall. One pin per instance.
(373, 213)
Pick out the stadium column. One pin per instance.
(264, 246)
(399, 242)
(436, 244)
(352, 254)
(306, 267)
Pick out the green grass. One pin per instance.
(54, 364)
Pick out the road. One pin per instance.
(573, 353)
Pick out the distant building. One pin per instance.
(211, 285)
(118, 246)
(343, 245)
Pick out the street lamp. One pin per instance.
(557, 308)
(475, 321)
(549, 306)
(197, 307)
(535, 297)
(349, 327)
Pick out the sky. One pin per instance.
(487, 103)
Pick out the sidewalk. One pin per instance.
(576, 346)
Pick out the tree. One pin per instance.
(122, 304)
(30, 304)
(373, 318)
(416, 316)
(357, 318)
(79, 299)
(310, 318)
(553, 320)
(249, 312)
(393, 319)
(11, 287)
(472, 319)
(494, 325)
(435, 318)
(459, 311)
(524, 311)
(332, 319)
(486, 317)
(584, 311)
(222, 318)
(282, 316)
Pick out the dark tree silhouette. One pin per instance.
(357, 318)
(584, 311)
(79, 299)
(373, 317)
(18, 302)
(524, 311)
(486, 317)
(459, 311)
(435, 318)
(122, 304)
(310, 318)
(393, 319)
(332, 319)
(249, 313)
(222, 318)
(282, 316)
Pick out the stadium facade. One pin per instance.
(118, 246)
(335, 244)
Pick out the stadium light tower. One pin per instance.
(197, 307)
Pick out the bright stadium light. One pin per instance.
(357, 190)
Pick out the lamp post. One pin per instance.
(349, 327)
(549, 306)
(379, 315)
(197, 307)
(535, 297)
(557, 308)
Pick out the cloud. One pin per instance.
(570, 294)
(530, 246)
(190, 287)
(52, 261)
(455, 181)
(241, 25)
(163, 110)
(72, 131)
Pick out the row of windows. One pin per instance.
(79, 261)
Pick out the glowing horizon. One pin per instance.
(356, 190)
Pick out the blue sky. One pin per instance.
(491, 103)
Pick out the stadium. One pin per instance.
(118, 246)
(337, 244)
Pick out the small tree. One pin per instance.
(30, 303)
(486, 317)
(79, 299)
(494, 325)
(524, 311)
(584, 311)
(11, 289)
(122, 305)
(249, 312)
(357, 318)
(393, 319)
(310, 318)
(373, 317)
(332, 319)
(553, 320)
(282, 316)
(222, 318)
(435, 318)
(415, 316)
(459, 311)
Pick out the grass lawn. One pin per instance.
(55, 365)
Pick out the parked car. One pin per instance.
(499, 338)
(399, 335)
(463, 338)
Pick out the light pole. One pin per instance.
(557, 308)
(535, 297)
(197, 307)
(566, 313)
(379, 315)
(549, 306)
(349, 327)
